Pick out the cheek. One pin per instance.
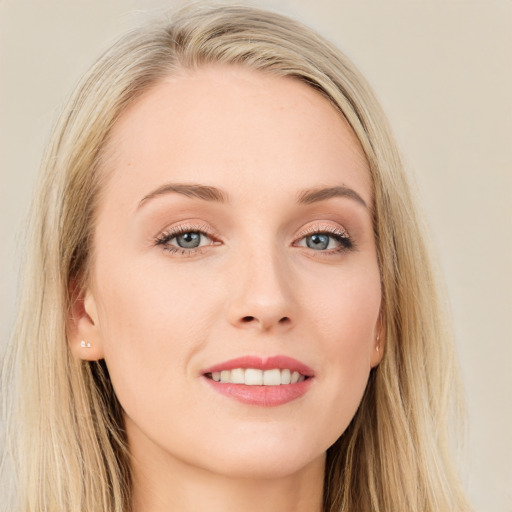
(151, 325)
(345, 310)
(343, 317)
(144, 305)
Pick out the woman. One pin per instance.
(229, 302)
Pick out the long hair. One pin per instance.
(64, 430)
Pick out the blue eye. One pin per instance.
(189, 240)
(184, 239)
(318, 241)
(328, 242)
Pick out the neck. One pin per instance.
(166, 483)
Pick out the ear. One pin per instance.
(83, 326)
(379, 341)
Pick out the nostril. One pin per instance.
(250, 319)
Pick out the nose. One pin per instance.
(261, 294)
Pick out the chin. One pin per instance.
(263, 468)
(269, 455)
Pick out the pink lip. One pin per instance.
(264, 396)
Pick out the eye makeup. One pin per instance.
(318, 235)
(191, 239)
(190, 236)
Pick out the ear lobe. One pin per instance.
(83, 327)
(379, 342)
(377, 353)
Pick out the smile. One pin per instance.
(257, 377)
(260, 381)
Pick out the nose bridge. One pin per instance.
(261, 295)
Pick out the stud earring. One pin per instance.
(378, 342)
(83, 344)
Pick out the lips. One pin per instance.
(260, 381)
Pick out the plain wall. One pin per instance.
(443, 71)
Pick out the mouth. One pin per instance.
(257, 377)
(260, 381)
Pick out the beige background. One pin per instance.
(443, 72)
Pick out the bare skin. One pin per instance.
(279, 269)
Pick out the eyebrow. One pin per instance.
(315, 195)
(204, 192)
(214, 194)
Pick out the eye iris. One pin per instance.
(189, 240)
(317, 241)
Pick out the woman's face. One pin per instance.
(234, 241)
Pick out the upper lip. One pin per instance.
(262, 363)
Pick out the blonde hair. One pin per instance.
(64, 424)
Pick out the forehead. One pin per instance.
(231, 126)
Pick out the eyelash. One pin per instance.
(341, 236)
(164, 239)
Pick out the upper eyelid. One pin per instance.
(185, 228)
(323, 228)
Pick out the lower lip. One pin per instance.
(264, 396)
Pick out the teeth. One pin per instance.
(255, 377)
(272, 377)
(237, 376)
